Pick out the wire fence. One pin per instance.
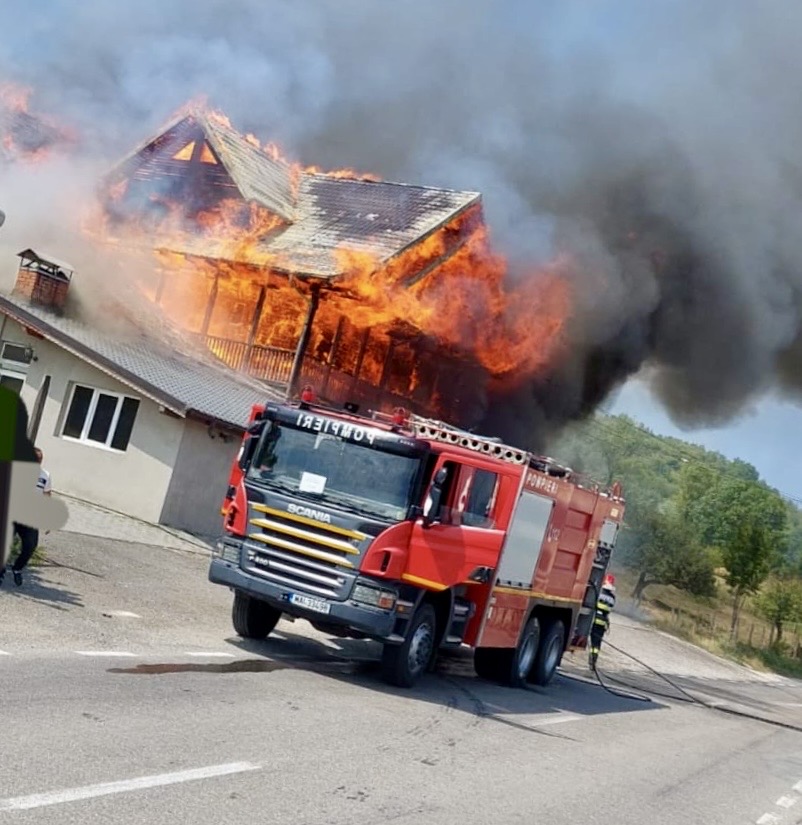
(749, 631)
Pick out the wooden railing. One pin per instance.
(274, 365)
(270, 364)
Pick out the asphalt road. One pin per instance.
(128, 699)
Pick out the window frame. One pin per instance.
(90, 414)
(17, 376)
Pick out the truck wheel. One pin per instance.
(549, 654)
(510, 666)
(253, 619)
(403, 665)
(487, 662)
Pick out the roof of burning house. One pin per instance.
(323, 213)
(257, 176)
(191, 386)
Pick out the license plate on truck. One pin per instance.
(318, 605)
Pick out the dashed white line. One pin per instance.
(786, 802)
(104, 653)
(768, 819)
(208, 654)
(798, 786)
(122, 614)
(40, 800)
(4, 653)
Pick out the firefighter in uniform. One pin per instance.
(601, 619)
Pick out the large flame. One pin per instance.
(450, 290)
(465, 299)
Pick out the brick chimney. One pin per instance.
(43, 281)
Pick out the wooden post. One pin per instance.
(751, 633)
(207, 318)
(335, 342)
(363, 346)
(257, 317)
(303, 342)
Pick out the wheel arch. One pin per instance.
(547, 614)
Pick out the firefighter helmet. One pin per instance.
(609, 582)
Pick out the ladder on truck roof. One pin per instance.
(493, 447)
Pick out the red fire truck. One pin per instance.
(416, 534)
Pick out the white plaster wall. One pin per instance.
(200, 480)
(134, 482)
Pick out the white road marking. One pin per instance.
(40, 800)
(205, 654)
(4, 653)
(785, 802)
(540, 720)
(123, 614)
(768, 819)
(104, 653)
(798, 786)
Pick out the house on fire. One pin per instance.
(140, 425)
(267, 295)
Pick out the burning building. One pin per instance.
(377, 293)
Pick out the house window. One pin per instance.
(101, 418)
(14, 362)
(11, 380)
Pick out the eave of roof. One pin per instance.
(109, 367)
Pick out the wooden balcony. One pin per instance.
(274, 365)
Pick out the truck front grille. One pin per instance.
(302, 554)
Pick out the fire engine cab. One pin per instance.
(416, 534)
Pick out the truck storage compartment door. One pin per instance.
(525, 541)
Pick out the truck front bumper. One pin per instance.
(369, 621)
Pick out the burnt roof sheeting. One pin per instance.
(257, 176)
(375, 217)
(382, 219)
(186, 385)
(325, 213)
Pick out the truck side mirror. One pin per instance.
(431, 508)
(249, 445)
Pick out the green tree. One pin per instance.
(669, 553)
(780, 602)
(747, 557)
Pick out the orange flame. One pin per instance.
(464, 301)
(451, 288)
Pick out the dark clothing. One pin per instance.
(601, 623)
(29, 538)
(14, 443)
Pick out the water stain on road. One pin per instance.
(241, 666)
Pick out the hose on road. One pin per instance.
(690, 698)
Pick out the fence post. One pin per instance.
(751, 633)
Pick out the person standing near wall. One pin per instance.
(29, 536)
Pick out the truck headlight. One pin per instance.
(384, 599)
(228, 551)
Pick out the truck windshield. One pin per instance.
(327, 468)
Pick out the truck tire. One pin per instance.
(253, 619)
(404, 664)
(549, 654)
(510, 666)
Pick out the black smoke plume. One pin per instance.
(658, 143)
